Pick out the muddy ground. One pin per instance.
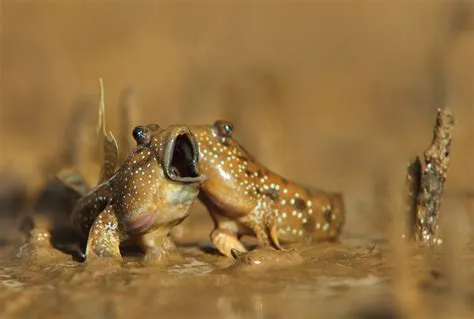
(333, 95)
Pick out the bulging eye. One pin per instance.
(140, 135)
(223, 128)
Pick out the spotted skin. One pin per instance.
(105, 235)
(244, 197)
(139, 203)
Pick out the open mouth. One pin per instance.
(181, 158)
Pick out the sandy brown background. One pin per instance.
(329, 94)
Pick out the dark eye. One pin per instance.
(140, 135)
(223, 128)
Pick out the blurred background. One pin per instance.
(328, 94)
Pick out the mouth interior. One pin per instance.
(184, 158)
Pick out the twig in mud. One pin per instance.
(431, 180)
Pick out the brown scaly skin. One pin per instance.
(148, 195)
(245, 198)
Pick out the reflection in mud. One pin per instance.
(205, 285)
(333, 280)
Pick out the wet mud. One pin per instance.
(352, 279)
(34, 280)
